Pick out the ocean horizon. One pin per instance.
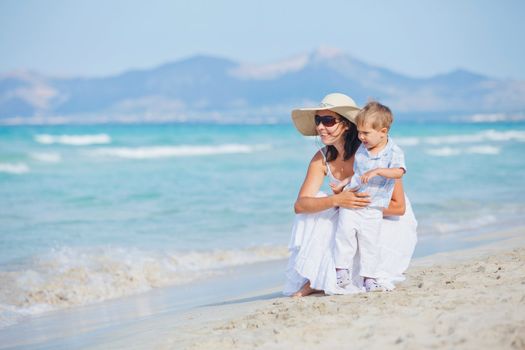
(98, 212)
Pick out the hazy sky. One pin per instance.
(416, 37)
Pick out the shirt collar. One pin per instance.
(384, 151)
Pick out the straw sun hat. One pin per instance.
(303, 118)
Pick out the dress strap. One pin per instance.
(323, 153)
(328, 170)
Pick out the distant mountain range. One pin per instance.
(204, 88)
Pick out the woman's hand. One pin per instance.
(351, 199)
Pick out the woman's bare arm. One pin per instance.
(307, 202)
(397, 204)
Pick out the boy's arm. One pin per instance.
(396, 167)
(390, 173)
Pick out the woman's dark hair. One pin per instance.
(352, 142)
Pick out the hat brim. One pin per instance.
(303, 118)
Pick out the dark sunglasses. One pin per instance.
(326, 120)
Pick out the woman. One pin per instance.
(311, 267)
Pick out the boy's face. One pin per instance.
(371, 137)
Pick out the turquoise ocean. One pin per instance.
(98, 212)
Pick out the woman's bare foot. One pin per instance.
(304, 291)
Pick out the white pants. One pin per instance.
(358, 229)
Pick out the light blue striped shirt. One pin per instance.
(380, 188)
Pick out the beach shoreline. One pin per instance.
(465, 299)
(259, 316)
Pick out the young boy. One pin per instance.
(378, 162)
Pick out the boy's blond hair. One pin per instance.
(376, 115)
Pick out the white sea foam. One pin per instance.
(484, 150)
(76, 276)
(443, 151)
(462, 139)
(14, 168)
(73, 140)
(47, 157)
(490, 118)
(449, 151)
(483, 136)
(511, 135)
(176, 151)
(457, 226)
(494, 117)
(407, 141)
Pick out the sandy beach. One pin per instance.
(469, 299)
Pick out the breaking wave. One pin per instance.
(47, 157)
(176, 151)
(73, 140)
(68, 277)
(14, 168)
(480, 137)
(449, 151)
(447, 227)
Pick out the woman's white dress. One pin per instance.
(312, 246)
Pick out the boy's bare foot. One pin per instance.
(304, 291)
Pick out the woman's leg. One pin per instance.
(310, 245)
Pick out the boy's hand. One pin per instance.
(336, 188)
(369, 175)
(339, 187)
